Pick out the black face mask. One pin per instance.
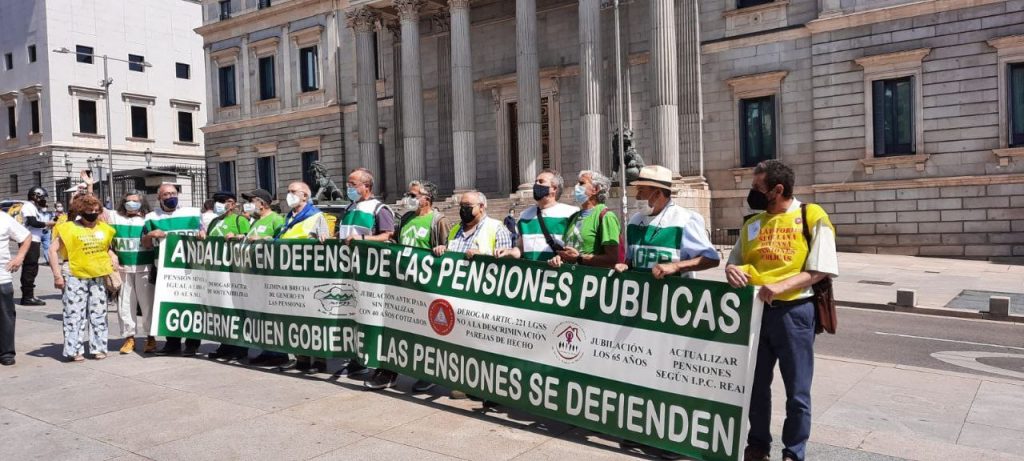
(41, 201)
(757, 200)
(466, 214)
(540, 191)
(90, 217)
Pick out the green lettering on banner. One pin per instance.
(666, 363)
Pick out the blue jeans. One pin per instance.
(787, 337)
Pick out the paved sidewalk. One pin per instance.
(872, 280)
(135, 407)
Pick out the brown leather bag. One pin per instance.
(825, 319)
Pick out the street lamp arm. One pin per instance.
(65, 50)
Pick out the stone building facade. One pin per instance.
(952, 188)
(463, 129)
(53, 106)
(897, 115)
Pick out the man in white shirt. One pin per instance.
(10, 230)
(36, 224)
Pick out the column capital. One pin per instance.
(409, 10)
(395, 29)
(442, 21)
(362, 19)
(464, 4)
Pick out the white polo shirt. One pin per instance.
(9, 230)
(29, 209)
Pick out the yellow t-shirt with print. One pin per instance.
(774, 247)
(87, 248)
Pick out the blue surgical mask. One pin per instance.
(219, 208)
(579, 193)
(131, 205)
(353, 194)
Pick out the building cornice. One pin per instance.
(268, 17)
(63, 146)
(276, 118)
(842, 21)
(892, 13)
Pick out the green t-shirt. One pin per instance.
(416, 232)
(266, 226)
(581, 232)
(229, 224)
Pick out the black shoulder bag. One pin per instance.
(825, 319)
(555, 246)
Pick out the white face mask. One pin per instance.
(411, 203)
(219, 208)
(249, 208)
(643, 206)
(292, 200)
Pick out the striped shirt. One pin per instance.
(674, 234)
(128, 242)
(183, 221)
(556, 219)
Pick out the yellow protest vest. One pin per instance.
(774, 247)
(486, 238)
(304, 229)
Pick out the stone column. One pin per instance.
(463, 120)
(528, 86)
(362, 20)
(245, 98)
(664, 85)
(412, 89)
(286, 66)
(212, 81)
(591, 118)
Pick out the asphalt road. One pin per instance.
(911, 339)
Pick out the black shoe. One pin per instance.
(33, 301)
(169, 351)
(189, 351)
(219, 354)
(354, 370)
(268, 360)
(7, 361)
(629, 444)
(237, 356)
(422, 386)
(319, 366)
(381, 379)
(302, 364)
(665, 454)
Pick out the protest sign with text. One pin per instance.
(666, 363)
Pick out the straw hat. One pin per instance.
(654, 176)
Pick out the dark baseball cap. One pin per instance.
(260, 194)
(222, 197)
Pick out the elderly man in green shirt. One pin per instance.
(267, 221)
(228, 222)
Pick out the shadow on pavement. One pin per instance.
(53, 351)
(516, 419)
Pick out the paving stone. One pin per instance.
(269, 437)
(167, 420)
(23, 437)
